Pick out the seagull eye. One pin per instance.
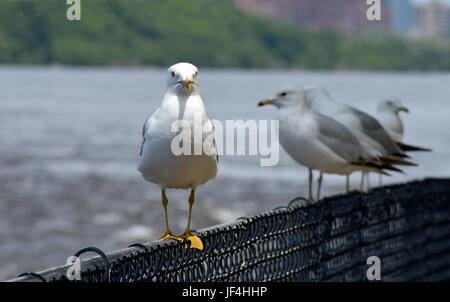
(173, 74)
(283, 94)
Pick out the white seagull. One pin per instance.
(317, 141)
(366, 128)
(158, 163)
(388, 114)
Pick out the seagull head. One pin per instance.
(288, 97)
(183, 78)
(393, 105)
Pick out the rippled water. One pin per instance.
(70, 137)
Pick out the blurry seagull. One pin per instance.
(157, 161)
(388, 114)
(366, 128)
(317, 141)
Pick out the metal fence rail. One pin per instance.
(406, 226)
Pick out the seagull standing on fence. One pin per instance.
(158, 163)
(366, 128)
(388, 114)
(317, 141)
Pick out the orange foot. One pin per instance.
(169, 235)
(196, 242)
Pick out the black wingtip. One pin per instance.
(412, 148)
(396, 161)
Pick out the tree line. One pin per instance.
(206, 33)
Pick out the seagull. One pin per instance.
(317, 141)
(366, 128)
(388, 114)
(159, 164)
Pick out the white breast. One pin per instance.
(392, 123)
(158, 164)
(298, 136)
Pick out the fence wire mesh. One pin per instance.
(406, 226)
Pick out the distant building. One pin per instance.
(402, 13)
(347, 16)
(267, 8)
(432, 19)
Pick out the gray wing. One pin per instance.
(339, 139)
(373, 129)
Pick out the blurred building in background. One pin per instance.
(431, 19)
(347, 16)
(401, 17)
(401, 12)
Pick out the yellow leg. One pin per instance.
(168, 234)
(196, 242)
(347, 183)
(319, 185)
(361, 189)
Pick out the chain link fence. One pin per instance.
(406, 226)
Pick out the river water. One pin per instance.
(70, 137)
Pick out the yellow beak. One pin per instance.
(404, 109)
(187, 83)
(266, 102)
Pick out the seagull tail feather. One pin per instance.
(396, 161)
(411, 148)
(377, 167)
